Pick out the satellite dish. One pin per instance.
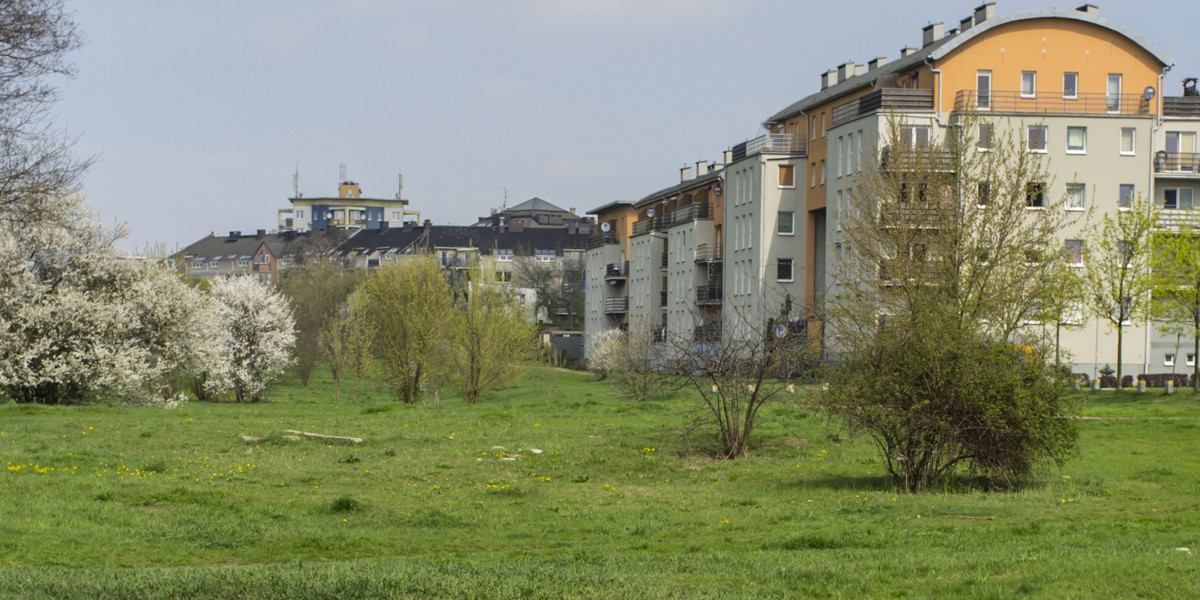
(794, 317)
(1148, 93)
(605, 227)
(780, 331)
(650, 212)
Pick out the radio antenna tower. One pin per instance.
(296, 182)
(399, 182)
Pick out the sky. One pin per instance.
(198, 114)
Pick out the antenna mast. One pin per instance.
(296, 182)
(399, 182)
(504, 206)
(342, 172)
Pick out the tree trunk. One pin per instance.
(1120, 340)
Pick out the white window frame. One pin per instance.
(1045, 138)
(1077, 259)
(1122, 204)
(791, 270)
(1042, 198)
(986, 137)
(1071, 204)
(1132, 151)
(1029, 91)
(983, 93)
(1112, 99)
(300, 213)
(1082, 149)
(1169, 359)
(1189, 359)
(1074, 88)
(782, 168)
(790, 220)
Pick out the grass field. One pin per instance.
(560, 489)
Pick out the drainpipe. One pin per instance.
(937, 114)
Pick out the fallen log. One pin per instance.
(325, 437)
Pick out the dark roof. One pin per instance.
(940, 48)
(399, 240)
(213, 247)
(680, 188)
(612, 204)
(535, 205)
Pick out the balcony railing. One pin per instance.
(710, 253)
(902, 214)
(597, 240)
(775, 143)
(708, 295)
(897, 99)
(1181, 106)
(930, 158)
(1177, 219)
(689, 213)
(1177, 162)
(1052, 103)
(664, 262)
(616, 305)
(616, 270)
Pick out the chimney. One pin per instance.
(701, 167)
(260, 234)
(966, 24)
(1090, 9)
(952, 32)
(235, 234)
(409, 225)
(860, 69)
(905, 51)
(845, 71)
(828, 78)
(572, 210)
(384, 226)
(984, 12)
(428, 224)
(931, 33)
(685, 174)
(876, 62)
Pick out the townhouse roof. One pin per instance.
(487, 240)
(243, 247)
(679, 188)
(940, 48)
(610, 205)
(535, 205)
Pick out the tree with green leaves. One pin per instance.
(317, 287)
(346, 342)
(1176, 283)
(948, 255)
(1118, 259)
(491, 336)
(408, 310)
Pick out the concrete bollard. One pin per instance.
(1074, 385)
(1141, 389)
(1096, 384)
(1170, 386)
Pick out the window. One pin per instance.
(544, 255)
(812, 127)
(300, 214)
(784, 270)
(1076, 140)
(787, 176)
(856, 156)
(1169, 359)
(838, 149)
(1112, 96)
(915, 136)
(837, 209)
(822, 171)
(1190, 359)
(822, 124)
(786, 224)
(504, 276)
(1180, 142)
(1180, 198)
(1073, 252)
(243, 263)
(1076, 196)
(397, 215)
(503, 255)
(812, 175)
(1037, 138)
(1128, 135)
(214, 265)
(984, 196)
(985, 136)
(1070, 85)
(262, 259)
(1035, 194)
(983, 90)
(199, 264)
(1125, 195)
(1028, 84)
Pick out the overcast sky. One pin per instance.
(200, 112)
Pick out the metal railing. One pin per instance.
(597, 240)
(616, 270)
(1178, 219)
(929, 158)
(776, 143)
(616, 305)
(1053, 103)
(898, 99)
(709, 253)
(708, 295)
(1176, 162)
(689, 213)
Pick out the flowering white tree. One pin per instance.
(259, 336)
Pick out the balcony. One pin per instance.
(904, 214)
(709, 253)
(709, 295)
(890, 99)
(616, 306)
(664, 262)
(1177, 163)
(929, 159)
(596, 240)
(662, 298)
(1052, 103)
(616, 271)
(1181, 106)
(1178, 219)
(772, 143)
(689, 213)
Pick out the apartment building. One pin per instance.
(606, 270)
(349, 210)
(1082, 91)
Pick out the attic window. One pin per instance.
(503, 255)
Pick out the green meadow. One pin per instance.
(559, 488)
